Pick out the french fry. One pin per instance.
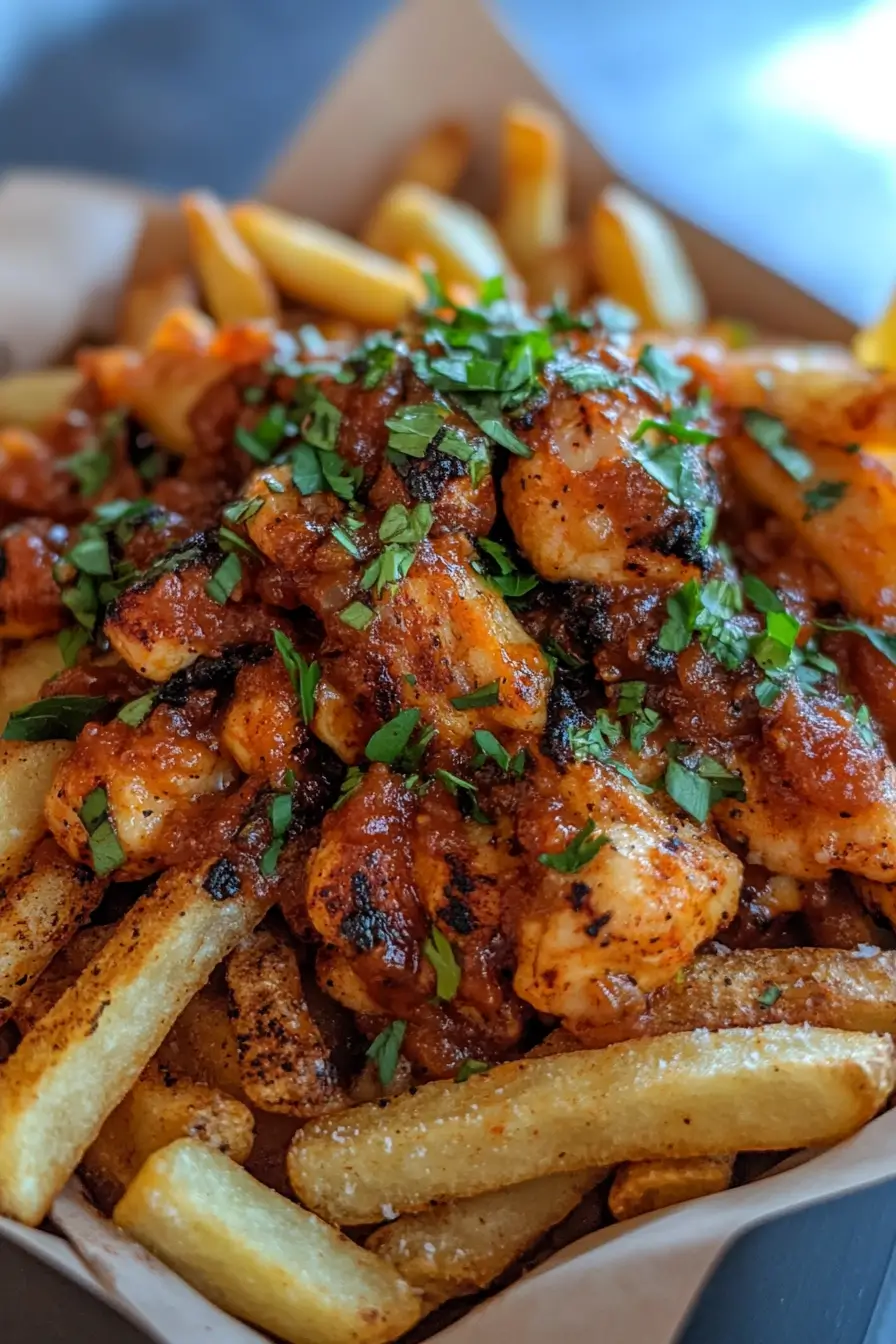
(39, 912)
(438, 158)
(163, 388)
(559, 272)
(29, 399)
(687, 1095)
(817, 390)
(159, 1109)
(284, 1065)
(534, 183)
(110, 1023)
(863, 523)
(639, 261)
(875, 346)
(147, 301)
(24, 672)
(461, 244)
(182, 331)
(258, 1255)
(235, 286)
(821, 987)
(27, 770)
(460, 1248)
(644, 1187)
(61, 974)
(319, 266)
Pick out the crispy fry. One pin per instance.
(159, 1109)
(284, 1064)
(534, 183)
(822, 987)
(24, 672)
(688, 1095)
(61, 974)
(39, 912)
(559, 273)
(235, 286)
(639, 261)
(644, 1187)
(26, 773)
(458, 240)
(147, 301)
(460, 1248)
(856, 539)
(112, 1020)
(183, 331)
(875, 346)
(259, 1256)
(29, 399)
(437, 158)
(817, 390)
(319, 266)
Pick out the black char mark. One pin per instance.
(222, 881)
(364, 926)
(563, 717)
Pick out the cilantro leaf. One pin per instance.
(353, 777)
(580, 850)
(669, 377)
(389, 741)
(357, 615)
(413, 428)
(385, 1049)
(135, 711)
(469, 1067)
(225, 578)
(879, 639)
(696, 788)
(588, 376)
(440, 954)
(105, 848)
(303, 675)
(489, 748)
(478, 699)
(280, 814)
(58, 716)
(822, 497)
(771, 434)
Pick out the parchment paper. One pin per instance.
(67, 245)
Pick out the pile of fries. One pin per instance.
(161, 1038)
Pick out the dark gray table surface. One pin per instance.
(172, 92)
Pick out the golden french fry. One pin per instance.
(258, 1255)
(460, 242)
(61, 974)
(817, 390)
(687, 1095)
(437, 158)
(183, 331)
(640, 262)
(534, 183)
(24, 672)
(821, 987)
(284, 1063)
(875, 346)
(109, 1024)
(559, 273)
(26, 774)
(147, 301)
(317, 265)
(862, 522)
(456, 1249)
(235, 286)
(159, 1109)
(644, 1187)
(39, 913)
(31, 398)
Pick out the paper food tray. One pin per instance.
(67, 245)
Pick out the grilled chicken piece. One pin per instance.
(167, 619)
(439, 635)
(583, 506)
(30, 603)
(820, 794)
(594, 936)
(158, 778)
(262, 728)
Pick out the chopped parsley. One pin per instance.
(440, 955)
(92, 465)
(391, 744)
(769, 996)
(698, 781)
(135, 711)
(580, 850)
(401, 529)
(478, 699)
(385, 1049)
(57, 717)
(771, 434)
(303, 675)
(500, 572)
(453, 783)
(588, 375)
(879, 639)
(105, 849)
(469, 1067)
(357, 615)
(225, 579)
(642, 720)
(707, 611)
(241, 510)
(353, 777)
(822, 497)
(263, 440)
(489, 748)
(669, 377)
(280, 814)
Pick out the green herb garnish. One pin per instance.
(580, 850)
(771, 434)
(440, 954)
(105, 849)
(303, 675)
(59, 716)
(385, 1049)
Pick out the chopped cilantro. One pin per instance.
(105, 848)
(280, 814)
(453, 782)
(353, 777)
(769, 996)
(357, 615)
(502, 574)
(669, 377)
(56, 717)
(588, 375)
(822, 497)
(879, 639)
(440, 954)
(389, 742)
(771, 434)
(303, 675)
(489, 748)
(695, 788)
(135, 711)
(580, 850)
(225, 578)
(478, 699)
(469, 1067)
(385, 1049)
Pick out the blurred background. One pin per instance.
(771, 123)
